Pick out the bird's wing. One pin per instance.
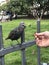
(16, 30)
(11, 33)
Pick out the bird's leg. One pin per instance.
(12, 44)
(18, 43)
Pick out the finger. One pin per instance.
(39, 34)
(37, 40)
(35, 36)
(41, 37)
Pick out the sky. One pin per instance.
(2, 0)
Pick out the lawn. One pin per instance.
(31, 52)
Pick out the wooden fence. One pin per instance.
(24, 45)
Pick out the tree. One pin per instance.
(3, 7)
(30, 7)
(40, 6)
(17, 6)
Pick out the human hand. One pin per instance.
(42, 39)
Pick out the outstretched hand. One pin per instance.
(42, 39)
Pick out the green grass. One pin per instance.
(31, 52)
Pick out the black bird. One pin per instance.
(16, 33)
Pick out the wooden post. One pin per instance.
(23, 50)
(1, 46)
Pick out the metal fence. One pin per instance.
(22, 47)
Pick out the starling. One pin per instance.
(16, 33)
